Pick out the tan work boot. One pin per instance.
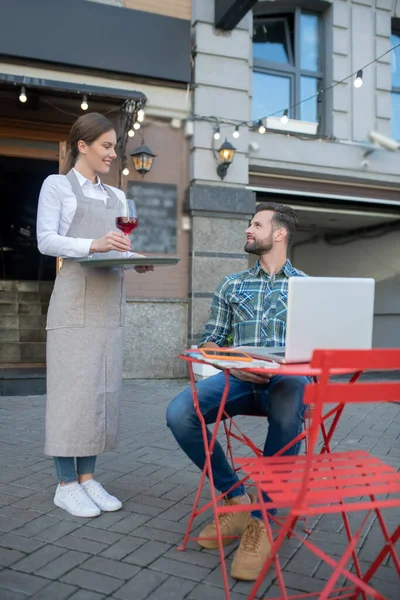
(252, 553)
(230, 524)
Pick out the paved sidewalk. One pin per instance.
(45, 554)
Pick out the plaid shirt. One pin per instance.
(252, 307)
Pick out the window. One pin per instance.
(287, 65)
(395, 39)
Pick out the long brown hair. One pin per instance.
(87, 128)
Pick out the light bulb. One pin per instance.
(358, 80)
(261, 127)
(84, 105)
(131, 133)
(217, 134)
(125, 171)
(236, 133)
(284, 117)
(23, 97)
(136, 126)
(140, 115)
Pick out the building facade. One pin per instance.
(299, 60)
(53, 58)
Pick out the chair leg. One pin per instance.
(228, 434)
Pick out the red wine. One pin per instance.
(126, 224)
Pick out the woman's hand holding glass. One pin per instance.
(113, 240)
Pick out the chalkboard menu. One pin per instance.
(156, 205)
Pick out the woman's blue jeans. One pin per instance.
(280, 400)
(66, 471)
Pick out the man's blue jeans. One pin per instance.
(280, 400)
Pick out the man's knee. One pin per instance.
(181, 413)
(287, 406)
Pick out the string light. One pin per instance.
(84, 105)
(140, 115)
(359, 79)
(125, 171)
(358, 82)
(23, 97)
(136, 126)
(217, 133)
(131, 133)
(285, 117)
(261, 127)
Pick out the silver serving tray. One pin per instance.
(137, 261)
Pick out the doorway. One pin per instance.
(20, 183)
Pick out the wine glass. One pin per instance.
(128, 220)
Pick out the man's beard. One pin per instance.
(259, 247)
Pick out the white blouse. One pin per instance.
(57, 207)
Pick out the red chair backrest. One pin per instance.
(359, 360)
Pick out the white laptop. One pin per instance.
(323, 313)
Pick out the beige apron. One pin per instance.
(85, 328)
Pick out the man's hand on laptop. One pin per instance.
(251, 377)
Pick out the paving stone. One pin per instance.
(194, 557)
(16, 513)
(173, 589)
(10, 595)
(64, 563)
(21, 582)
(38, 559)
(122, 548)
(15, 542)
(56, 531)
(147, 554)
(141, 585)
(75, 543)
(158, 535)
(8, 524)
(97, 535)
(55, 591)
(106, 520)
(130, 523)
(209, 592)
(36, 526)
(113, 568)
(86, 595)
(95, 582)
(179, 569)
(9, 557)
(165, 525)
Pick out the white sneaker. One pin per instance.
(75, 501)
(98, 494)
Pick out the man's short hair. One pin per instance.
(284, 216)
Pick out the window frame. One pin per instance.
(293, 68)
(394, 90)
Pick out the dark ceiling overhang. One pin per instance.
(228, 13)
(96, 36)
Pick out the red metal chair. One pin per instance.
(332, 482)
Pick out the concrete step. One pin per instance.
(9, 310)
(24, 297)
(21, 380)
(26, 286)
(23, 311)
(22, 335)
(34, 352)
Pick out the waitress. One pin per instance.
(86, 316)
